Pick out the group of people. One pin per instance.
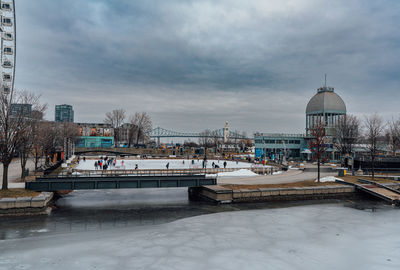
(214, 165)
(204, 164)
(79, 159)
(104, 164)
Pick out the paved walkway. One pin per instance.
(14, 173)
(285, 177)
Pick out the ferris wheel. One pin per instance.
(8, 45)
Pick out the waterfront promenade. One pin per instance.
(14, 173)
(290, 176)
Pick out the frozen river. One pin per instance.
(160, 229)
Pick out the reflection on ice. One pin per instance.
(303, 237)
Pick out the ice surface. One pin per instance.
(305, 237)
(238, 173)
(161, 164)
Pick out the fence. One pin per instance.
(160, 172)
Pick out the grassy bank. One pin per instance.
(17, 192)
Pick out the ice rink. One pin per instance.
(161, 164)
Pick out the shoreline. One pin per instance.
(216, 194)
(27, 206)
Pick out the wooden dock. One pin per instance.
(376, 189)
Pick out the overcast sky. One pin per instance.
(193, 65)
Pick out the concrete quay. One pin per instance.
(26, 205)
(220, 194)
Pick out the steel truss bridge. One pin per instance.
(159, 132)
(167, 180)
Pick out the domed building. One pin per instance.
(325, 107)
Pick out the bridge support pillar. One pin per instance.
(194, 194)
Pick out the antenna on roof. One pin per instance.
(325, 79)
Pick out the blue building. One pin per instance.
(95, 142)
(19, 109)
(64, 113)
(277, 145)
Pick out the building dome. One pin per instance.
(326, 101)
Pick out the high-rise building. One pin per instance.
(18, 109)
(64, 113)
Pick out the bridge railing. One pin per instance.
(160, 172)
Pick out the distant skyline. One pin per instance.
(193, 65)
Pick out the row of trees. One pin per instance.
(373, 132)
(210, 139)
(24, 133)
(138, 128)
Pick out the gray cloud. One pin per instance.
(194, 64)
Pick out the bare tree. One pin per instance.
(216, 141)
(37, 142)
(69, 130)
(347, 133)
(318, 144)
(190, 144)
(131, 132)
(69, 133)
(50, 140)
(142, 125)
(55, 137)
(115, 118)
(13, 125)
(245, 143)
(374, 127)
(31, 121)
(394, 134)
(205, 140)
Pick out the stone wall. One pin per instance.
(26, 205)
(224, 195)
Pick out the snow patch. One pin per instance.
(238, 173)
(327, 179)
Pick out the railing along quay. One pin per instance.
(158, 172)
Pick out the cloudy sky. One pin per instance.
(195, 64)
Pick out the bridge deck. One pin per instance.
(170, 172)
(54, 183)
(385, 192)
(378, 190)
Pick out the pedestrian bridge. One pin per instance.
(58, 183)
(376, 189)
